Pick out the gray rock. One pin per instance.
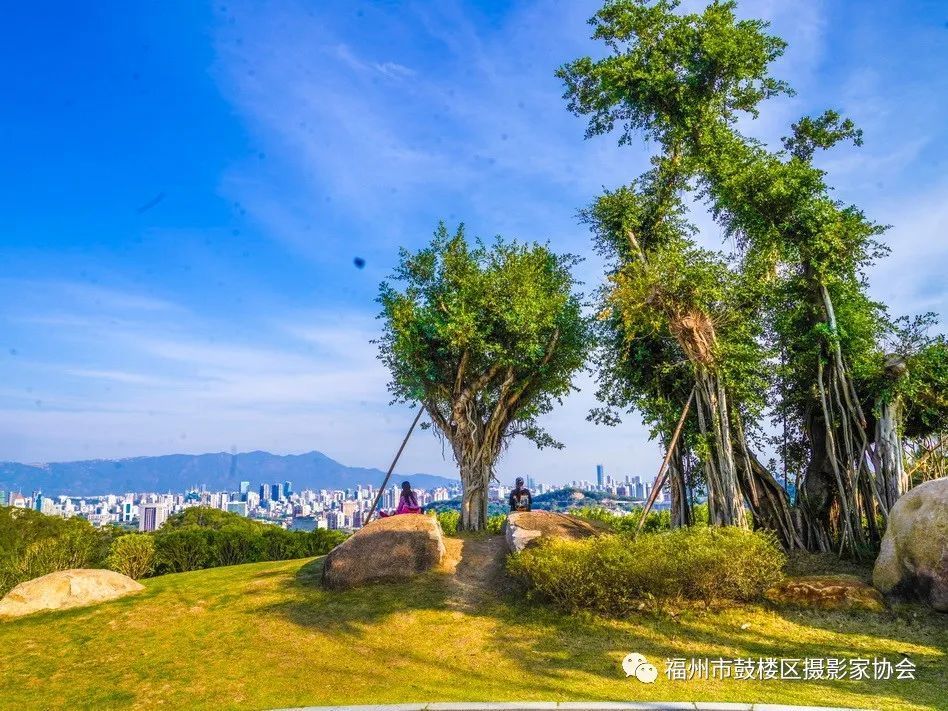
(524, 527)
(388, 549)
(913, 560)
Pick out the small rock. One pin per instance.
(827, 592)
(65, 589)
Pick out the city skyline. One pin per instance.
(277, 503)
(232, 185)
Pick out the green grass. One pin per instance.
(265, 635)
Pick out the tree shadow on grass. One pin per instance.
(349, 612)
(578, 656)
(713, 636)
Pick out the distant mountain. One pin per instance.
(178, 472)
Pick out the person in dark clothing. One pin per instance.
(520, 498)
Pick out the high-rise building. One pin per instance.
(287, 489)
(264, 492)
(38, 500)
(151, 516)
(600, 476)
(244, 488)
(4, 498)
(275, 492)
(253, 499)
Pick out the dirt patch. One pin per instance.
(476, 566)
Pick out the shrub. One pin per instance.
(233, 546)
(133, 555)
(495, 523)
(323, 540)
(33, 544)
(449, 520)
(613, 574)
(181, 550)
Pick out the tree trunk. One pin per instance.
(725, 507)
(768, 501)
(475, 478)
(893, 479)
(681, 513)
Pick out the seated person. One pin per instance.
(407, 502)
(520, 499)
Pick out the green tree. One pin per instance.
(662, 287)
(684, 80)
(487, 339)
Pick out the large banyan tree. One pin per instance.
(486, 338)
(795, 288)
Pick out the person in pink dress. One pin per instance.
(407, 502)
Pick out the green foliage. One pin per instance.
(205, 538)
(915, 371)
(495, 523)
(666, 73)
(33, 544)
(500, 322)
(449, 519)
(823, 132)
(209, 518)
(181, 550)
(133, 555)
(629, 523)
(613, 574)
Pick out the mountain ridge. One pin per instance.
(218, 471)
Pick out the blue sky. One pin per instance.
(184, 188)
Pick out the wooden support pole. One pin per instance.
(662, 471)
(388, 475)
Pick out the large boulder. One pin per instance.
(524, 527)
(388, 549)
(66, 588)
(913, 561)
(826, 592)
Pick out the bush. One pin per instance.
(178, 551)
(449, 520)
(33, 544)
(612, 574)
(628, 523)
(495, 523)
(133, 555)
(322, 540)
(203, 540)
(233, 546)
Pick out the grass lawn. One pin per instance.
(265, 636)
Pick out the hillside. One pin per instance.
(177, 472)
(266, 635)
